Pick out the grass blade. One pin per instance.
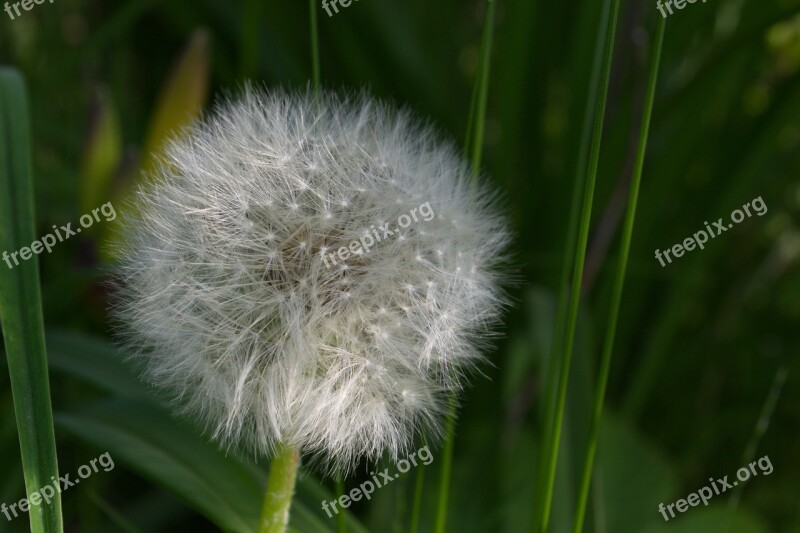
(447, 468)
(250, 38)
(481, 94)
(552, 371)
(619, 282)
(21, 304)
(417, 509)
(476, 126)
(577, 275)
(341, 525)
(316, 76)
(762, 425)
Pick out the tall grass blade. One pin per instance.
(341, 524)
(619, 282)
(447, 469)
(758, 433)
(316, 75)
(250, 37)
(476, 126)
(552, 372)
(417, 509)
(21, 304)
(481, 95)
(577, 275)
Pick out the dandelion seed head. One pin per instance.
(221, 294)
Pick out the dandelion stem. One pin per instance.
(577, 274)
(619, 282)
(280, 490)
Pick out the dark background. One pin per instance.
(699, 344)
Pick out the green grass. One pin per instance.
(20, 305)
(619, 280)
(695, 345)
(552, 446)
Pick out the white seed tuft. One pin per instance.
(223, 292)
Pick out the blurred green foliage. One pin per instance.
(699, 341)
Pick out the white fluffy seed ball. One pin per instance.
(229, 294)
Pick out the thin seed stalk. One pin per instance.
(619, 281)
(577, 275)
(341, 524)
(315, 64)
(552, 374)
(474, 141)
(417, 510)
(447, 466)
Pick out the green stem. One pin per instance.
(619, 282)
(252, 18)
(475, 131)
(418, 488)
(577, 274)
(316, 75)
(341, 523)
(482, 83)
(280, 490)
(552, 371)
(762, 424)
(447, 467)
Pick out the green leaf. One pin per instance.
(171, 453)
(632, 478)
(182, 98)
(310, 494)
(103, 152)
(21, 304)
(144, 436)
(94, 361)
(168, 452)
(703, 520)
(180, 103)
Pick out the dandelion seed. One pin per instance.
(244, 327)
